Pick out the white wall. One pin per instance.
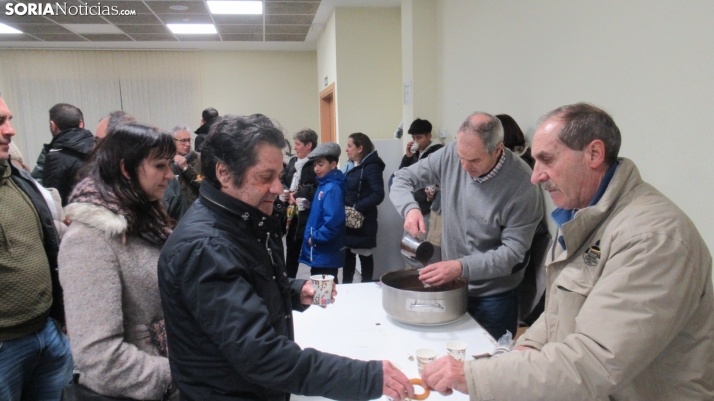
(369, 71)
(647, 63)
(158, 88)
(163, 88)
(327, 55)
(280, 85)
(419, 63)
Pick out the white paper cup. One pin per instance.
(322, 283)
(424, 356)
(284, 196)
(415, 147)
(457, 350)
(301, 203)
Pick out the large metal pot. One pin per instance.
(405, 298)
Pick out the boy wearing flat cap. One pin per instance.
(323, 248)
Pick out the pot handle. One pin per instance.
(418, 304)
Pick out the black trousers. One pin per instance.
(325, 270)
(293, 245)
(367, 263)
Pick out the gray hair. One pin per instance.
(117, 119)
(584, 123)
(490, 132)
(178, 128)
(306, 135)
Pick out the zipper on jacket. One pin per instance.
(267, 248)
(311, 246)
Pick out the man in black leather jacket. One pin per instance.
(226, 296)
(69, 150)
(208, 117)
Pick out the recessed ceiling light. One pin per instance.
(192, 28)
(178, 8)
(6, 29)
(93, 28)
(235, 7)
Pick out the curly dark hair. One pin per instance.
(234, 141)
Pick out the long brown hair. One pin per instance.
(132, 144)
(360, 139)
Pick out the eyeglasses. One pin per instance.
(183, 141)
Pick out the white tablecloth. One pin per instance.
(357, 326)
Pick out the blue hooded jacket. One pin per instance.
(326, 224)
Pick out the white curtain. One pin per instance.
(160, 88)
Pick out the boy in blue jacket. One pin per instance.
(323, 248)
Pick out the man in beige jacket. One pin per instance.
(629, 308)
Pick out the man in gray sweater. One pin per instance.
(490, 212)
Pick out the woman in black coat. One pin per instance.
(300, 181)
(364, 190)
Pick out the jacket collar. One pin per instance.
(237, 211)
(371, 158)
(97, 217)
(561, 216)
(5, 170)
(625, 178)
(427, 150)
(335, 175)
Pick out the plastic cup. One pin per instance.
(284, 196)
(424, 356)
(322, 283)
(301, 202)
(457, 350)
(415, 147)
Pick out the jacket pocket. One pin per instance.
(569, 304)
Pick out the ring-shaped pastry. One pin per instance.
(419, 383)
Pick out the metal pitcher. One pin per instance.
(417, 249)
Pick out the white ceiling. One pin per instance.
(281, 42)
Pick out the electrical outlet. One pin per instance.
(442, 133)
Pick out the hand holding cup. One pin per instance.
(324, 286)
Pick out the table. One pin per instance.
(357, 326)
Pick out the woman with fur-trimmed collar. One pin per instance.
(107, 265)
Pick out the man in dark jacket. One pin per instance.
(419, 148)
(227, 299)
(69, 150)
(208, 117)
(187, 164)
(35, 359)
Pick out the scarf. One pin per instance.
(86, 191)
(348, 166)
(299, 164)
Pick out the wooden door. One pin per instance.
(328, 120)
